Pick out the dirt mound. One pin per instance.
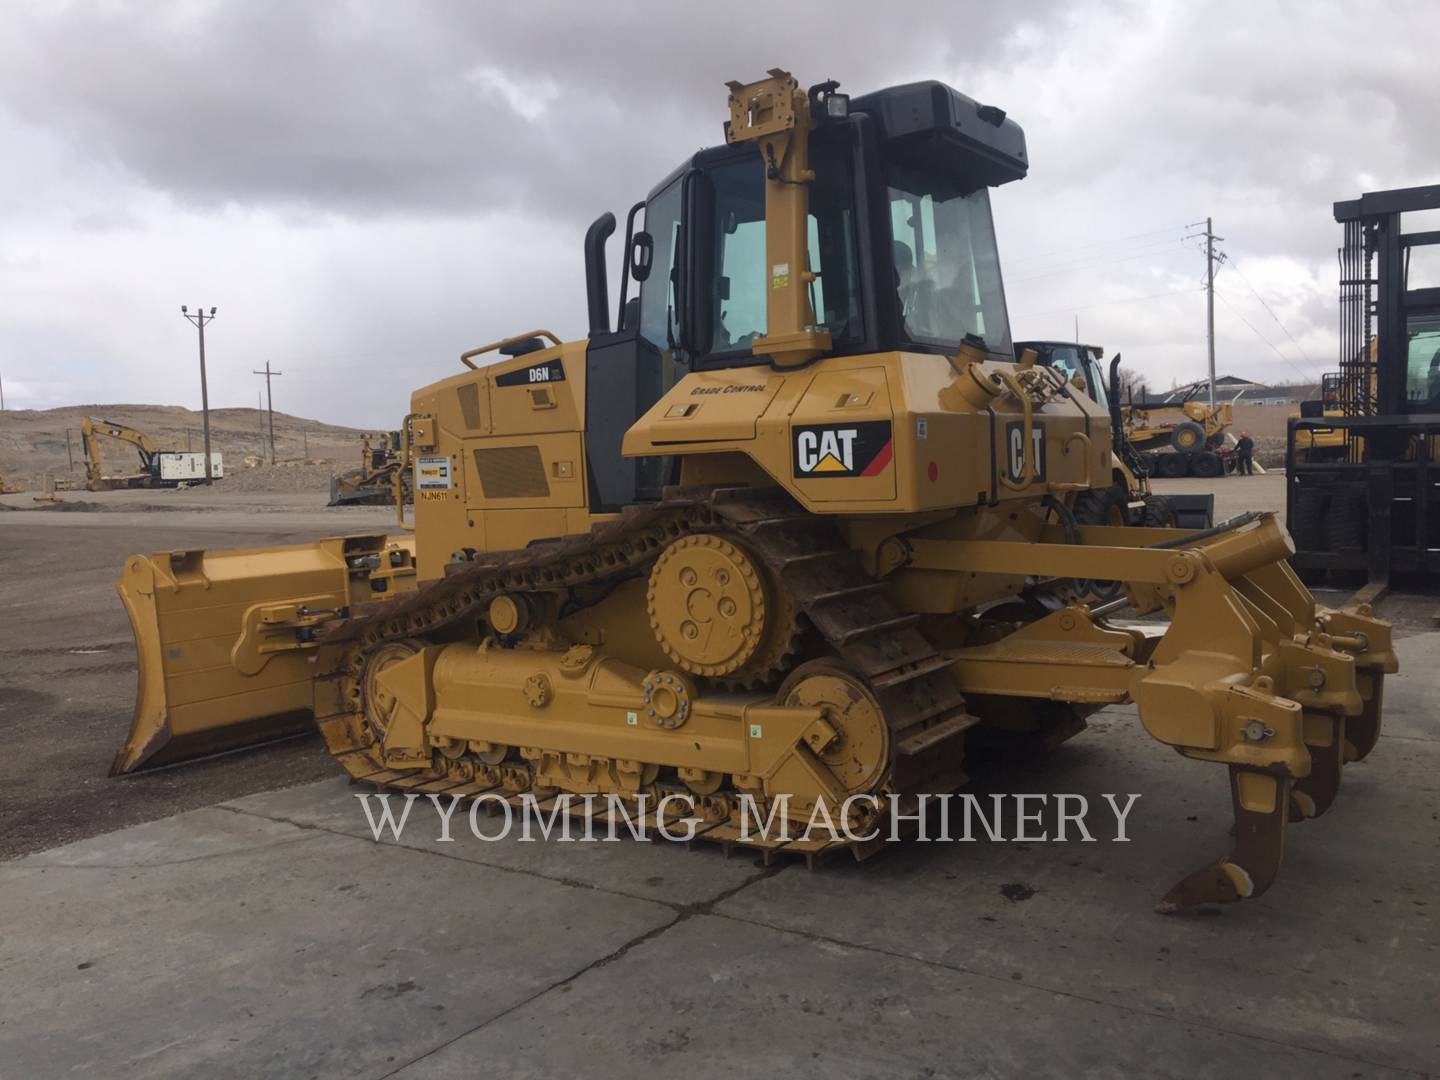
(34, 441)
(282, 477)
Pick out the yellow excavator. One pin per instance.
(158, 468)
(787, 536)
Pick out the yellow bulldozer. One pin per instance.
(785, 537)
(373, 483)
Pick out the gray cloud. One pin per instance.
(366, 189)
(434, 108)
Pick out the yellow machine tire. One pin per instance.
(1187, 436)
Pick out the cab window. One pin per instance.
(1423, 375)
(657, 292)
(741, 274)
(947, 268)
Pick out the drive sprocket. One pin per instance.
(715, 612)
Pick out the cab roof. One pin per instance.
(924, 123)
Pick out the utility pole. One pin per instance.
(199, 319)
(2, 394)
(69, 453)
(1210, 303)
(1212, 258)
(269, 404)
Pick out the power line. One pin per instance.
(1102, 256)
(1098, 243)
(1059, 268)
(1304, 375)
(1104, 303)
(1273, 315)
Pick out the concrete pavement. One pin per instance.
(270, 935)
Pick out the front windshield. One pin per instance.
(1066, 360)
(947, 269)
(1073, 360)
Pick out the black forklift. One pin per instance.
(1363, 512)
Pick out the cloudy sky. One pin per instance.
(366, 189)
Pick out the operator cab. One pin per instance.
(899, 237)
(1071, 359)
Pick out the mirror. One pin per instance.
(642, 254)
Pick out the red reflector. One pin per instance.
(934, 472)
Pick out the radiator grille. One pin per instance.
(512, 472)
(469, 398)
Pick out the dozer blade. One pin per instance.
(223, 639)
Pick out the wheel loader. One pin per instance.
(1128, 500)
(788, 533)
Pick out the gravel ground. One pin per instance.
(286, 476)
(67, 674)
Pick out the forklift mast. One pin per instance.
(1370, 510)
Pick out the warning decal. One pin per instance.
(432, 473)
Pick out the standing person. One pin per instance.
(1245, 454)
